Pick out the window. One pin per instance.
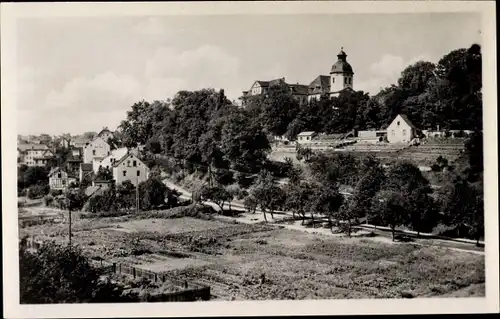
(393, 133)
(128, 163)
(59, 175)
(404, 132)
(345, 80)
(64, 182)
(138, 173)
(398, 123)
(134, 163)
(124, 173)
(333, 79)
(93, 152)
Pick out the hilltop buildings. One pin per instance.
(340, 79)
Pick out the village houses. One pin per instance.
(130, 168)
(97, 148)
(59, 179)
(34, 154)
(105, 134)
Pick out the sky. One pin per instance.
(81, 74)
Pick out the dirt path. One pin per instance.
(249, 218)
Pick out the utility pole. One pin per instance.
(69, 215)
(137, 195)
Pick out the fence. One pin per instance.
(188, 290)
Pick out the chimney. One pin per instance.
(438, 128)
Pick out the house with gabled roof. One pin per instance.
(401, 130)
(59, 178)
(34, 154)
(130, 168)
(97, 148)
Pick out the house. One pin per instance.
(130, 168)
(109, 160)
(97, 148)
(105, 134)
(47, 158)
(401, 130)
(340, 79)
(102, 183)
(34, 154)
(60, 179)
(305, 137)
(259, 88)
(85, 171)
(79, 141)
(76, 152)
(64, 142)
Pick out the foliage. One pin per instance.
(217, 194)
(104, 173)
(152, 193)
(391, 206)
(269, 196)
(38, 191)
(61, 274)
(34, 175)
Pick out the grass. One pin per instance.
(259, 262)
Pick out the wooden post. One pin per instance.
(133, 271)
(114, 268)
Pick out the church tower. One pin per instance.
(341, 75)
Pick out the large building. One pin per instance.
(340, 79)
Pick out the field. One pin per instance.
(256, 262)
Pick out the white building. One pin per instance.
(305, 137)
(34, 154)
(97, 148)
(130, 168)
(59, 179)
(401, 130)
(109, 160)
(340, 79)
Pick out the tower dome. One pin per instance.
(341, 66)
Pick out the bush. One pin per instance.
(48, 200)
(56, 192)
(38, 191)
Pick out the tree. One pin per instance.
(217, 194)
(278, 109)
(326, 200)
(250, 203)
(391, 207)
(268, 194)
(36, 175)
(104, 173)
(61, 274)
(152, 193)
(423, 215)
(463, 206)
(298, 197)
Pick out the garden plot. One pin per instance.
(337, 267)
(169, 226)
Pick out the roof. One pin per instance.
(55, 170)
(299, 88)
(86, 167)
(91, 190)
(306, 133)
(405, 118)
(342, 66)
(116, 154)
(27, 147)
(323, 81)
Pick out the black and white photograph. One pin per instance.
(231, 154)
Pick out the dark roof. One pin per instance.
(405, 118)
(341, 66)
(26, 147)
(299, 88)
(86, 167)
(323, 81)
